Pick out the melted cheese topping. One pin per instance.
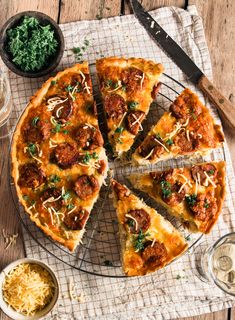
(28, 288)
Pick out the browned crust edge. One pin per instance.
(34, 101)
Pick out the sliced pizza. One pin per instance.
(194, 195)
(148, 241)
(128, 87)
(58, 160)
(187, 129)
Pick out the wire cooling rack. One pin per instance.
(99, 252)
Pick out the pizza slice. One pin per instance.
(58, 159)
(187, 129)
(128, 87)
(194, 195)
(148, 241)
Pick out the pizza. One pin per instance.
(148, 241)
(128, 86)
(194, 195)
(187, 129)
(58, 159)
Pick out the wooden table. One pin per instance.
(219, 23)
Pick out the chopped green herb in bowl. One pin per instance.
(32, 44)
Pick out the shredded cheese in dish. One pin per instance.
(28, 288)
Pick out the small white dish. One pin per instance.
(10, 312)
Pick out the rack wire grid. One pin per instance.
(99, 251)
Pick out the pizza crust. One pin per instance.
(144, 183)
(35, 101)
(159, 230)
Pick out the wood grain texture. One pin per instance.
(219, 23)
(154, 4)
(219, 315)
(88, 10)
(11, 7)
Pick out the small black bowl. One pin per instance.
(44, 20)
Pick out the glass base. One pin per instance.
(200, 262)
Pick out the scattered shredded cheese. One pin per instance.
(152, 244)
(187, 135)
(210, 180)
(72, 210)
(83, 76)
(155, 139)
(53, 102)
(9, 240)
(28, 288)
(149, 155)
(198, 178)
(51, 145)
(120, 122)
(58, 110)
(51, 199)
(142, 80)
(196, 187)
(152, 24)
(72, 292)
(87, 88)
(182, 187)
(136, 222)
(137, 120)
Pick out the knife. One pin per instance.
(184, 62)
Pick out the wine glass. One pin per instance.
(5, 106)
(216, 264)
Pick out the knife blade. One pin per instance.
(184, 62)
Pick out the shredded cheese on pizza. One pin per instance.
(136, 222)
(53, 102)
(155, 139)
(28, 288)
(210, 180)
(83, 76)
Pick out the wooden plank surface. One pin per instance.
(221, 43)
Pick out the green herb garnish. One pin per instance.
(89, 156)
(210, 172)
(169, 142)
(158, 136)
(108, 263)
(178, 277)
(32, 149)
(191, 200)
(34, 121)
(119, 130)
(139, 241)
(57, 128)
(133, 104)
(66, 195)
(188, 238)
(70, 206)
(165, 188)
(78, 50)
(130, 222)
(124, 87)
(206, 204)
(65, 131)
(53, 82)
(31, 44)
(25, 197)
(54, 178)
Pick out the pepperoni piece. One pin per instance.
(198, 172)
(165, 175)
(204, 207)
(154, 254)
(184, 107)
(115, 106)
(89, 137)
(31, 176)
(175, 197)
(143, 219)
(102, 167)
(66, 155)
(151, 148)
(52, 193)
(37, 132)
(186, 145)
(133, 121)
(132, 79)
(120, 190)
(86, 186)
(63, 111)
(76, 219)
